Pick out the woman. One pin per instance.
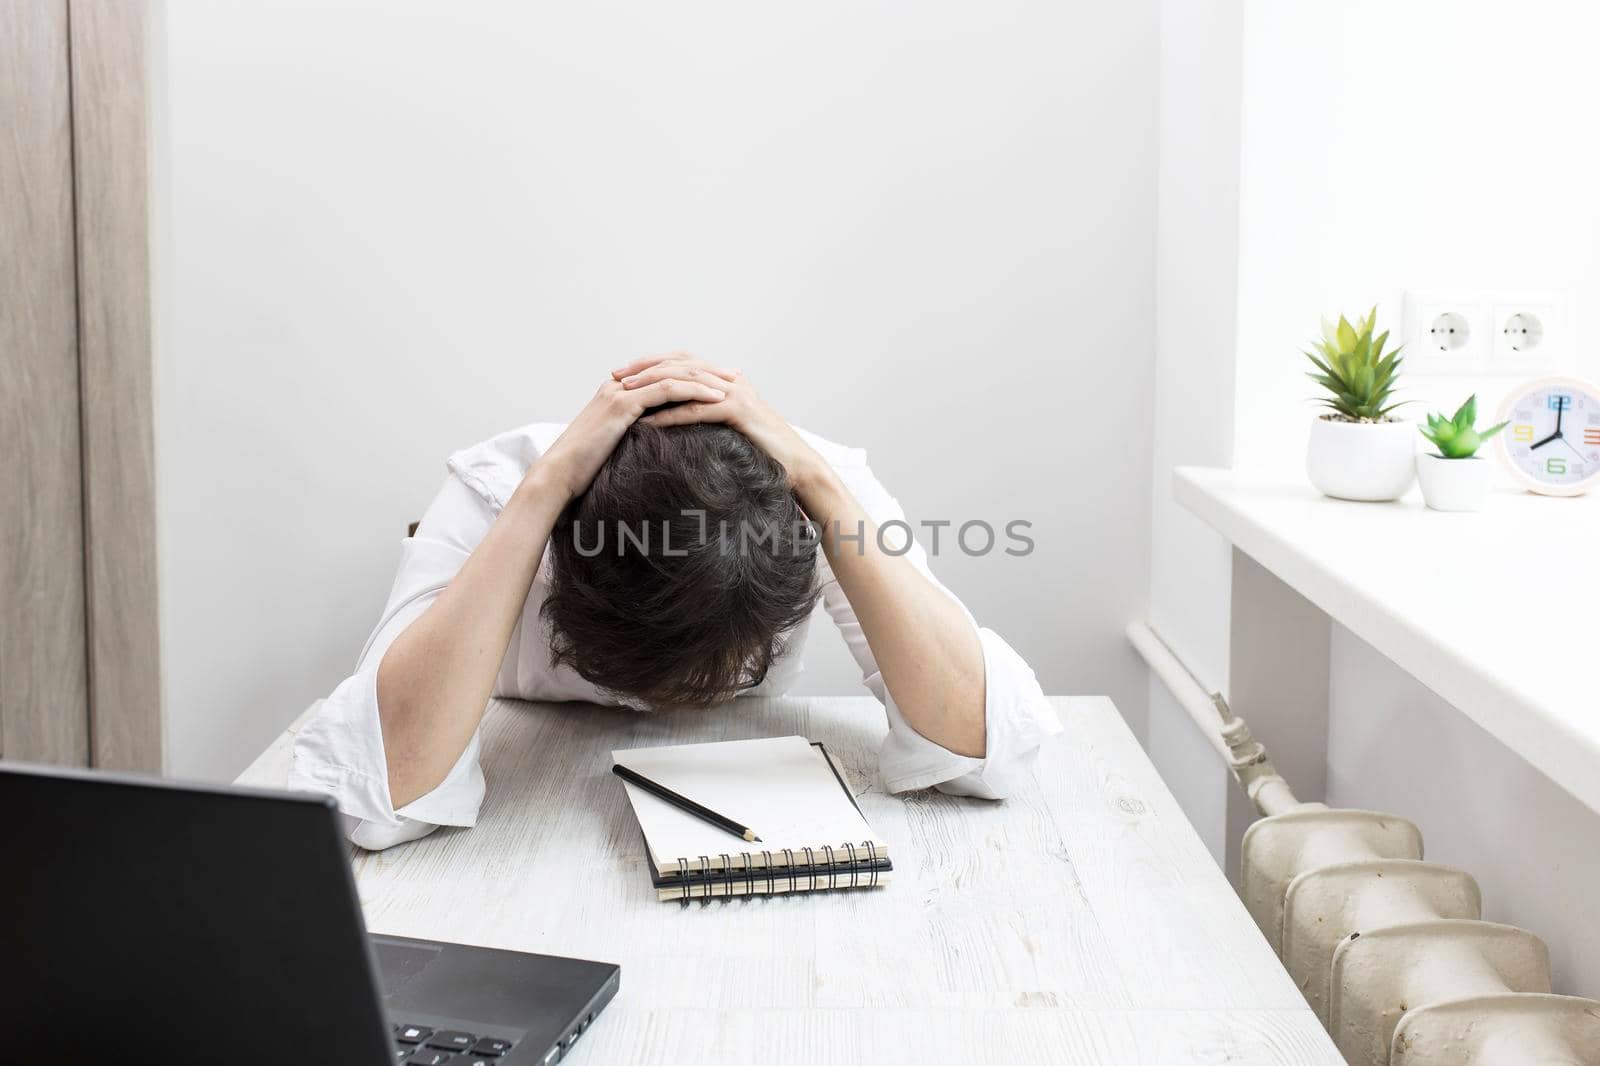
(510, 588)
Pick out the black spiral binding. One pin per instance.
(831, 862)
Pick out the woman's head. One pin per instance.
(677, 575)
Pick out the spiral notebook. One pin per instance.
(813, 836)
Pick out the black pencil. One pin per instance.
(684, 803)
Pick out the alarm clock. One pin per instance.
(1552, 438)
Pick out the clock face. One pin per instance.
(1553, 439)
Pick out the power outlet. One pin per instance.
(1528, 334)
(1447, 333)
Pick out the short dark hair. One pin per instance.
(700, 610)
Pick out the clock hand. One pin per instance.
(1561, 407)
(1575, 451)
(1540, 444)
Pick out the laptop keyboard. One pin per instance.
(418, 1045)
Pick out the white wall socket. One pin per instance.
(1529, 331)
(1446, 332)
(1496, 333)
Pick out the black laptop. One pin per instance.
(143, 921)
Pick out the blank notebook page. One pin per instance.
(782, 787)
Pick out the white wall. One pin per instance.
(387, 231)
(1427, 144)
(1196, 285)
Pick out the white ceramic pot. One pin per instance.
(1453, 484)
(1362, 460)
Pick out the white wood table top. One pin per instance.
(1080, 921)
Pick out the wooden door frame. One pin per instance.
(112, 183)
(88, 688)
(44, 688)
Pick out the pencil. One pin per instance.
(684, 803)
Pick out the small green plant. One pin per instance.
(1459, 437)
(1353, 366)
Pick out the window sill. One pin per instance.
(1496, 611)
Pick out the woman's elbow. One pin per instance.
(376, 836)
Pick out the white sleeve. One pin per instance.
(1017, 716)
(339, 750)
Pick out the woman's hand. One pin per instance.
(582, 449)
(740, 408)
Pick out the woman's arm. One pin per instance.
(436, 678)
(926, 648)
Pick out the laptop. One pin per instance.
(144, 921)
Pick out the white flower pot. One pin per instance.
(1362, 460)
(1453, 484)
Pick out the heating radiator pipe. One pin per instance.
(1389, 950)
(1246, 758)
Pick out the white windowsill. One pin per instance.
(1498, 611)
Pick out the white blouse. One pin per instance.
(339, 749)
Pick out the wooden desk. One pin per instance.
(1080, 921)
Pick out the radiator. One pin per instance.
(1390, 950)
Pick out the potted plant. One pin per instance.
(1455, 479)
(1357, 452)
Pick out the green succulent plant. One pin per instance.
(1353, 366)
(1458, 437)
